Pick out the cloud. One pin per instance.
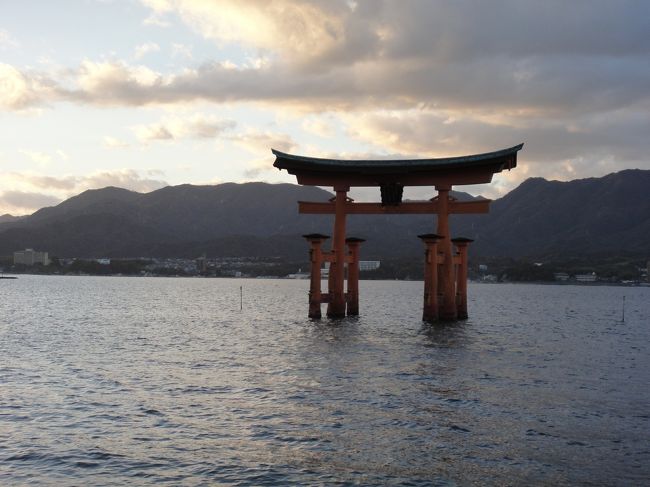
(125, 178)
(302, 31)
(7, 41)
(21, 202)
(260, 143)
(18, 90)
(197, 126)
(144, 49)
(39, 157)
(319, 127)
(550, 57)
(181, 50)
(33, 191)
(559, 148)
(157, 21)
(571, 79)
(113, 143)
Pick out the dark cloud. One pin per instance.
(563, 56)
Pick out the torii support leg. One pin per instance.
(447, 279)
(336, 305)
(352, 296)
(430, 307)
(316, 259)
(461, 276)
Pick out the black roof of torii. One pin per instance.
(321, 171)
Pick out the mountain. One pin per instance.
(9, 218)
(175, 220)
(539, 218)
(585, 216)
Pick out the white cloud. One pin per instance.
(41, 158)
(157, 21)
(181, 50)
(260, 143)
(7, 41)
(197, 126)
(18, 90)
(319, 127)
(113, 143)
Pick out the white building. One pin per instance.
(31, 257)
(369, 265)
(586, 277)
(561, 276)
(364, 265)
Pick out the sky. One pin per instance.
(142, 94)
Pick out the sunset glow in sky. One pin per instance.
(142, 94)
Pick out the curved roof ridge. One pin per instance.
(283, 156)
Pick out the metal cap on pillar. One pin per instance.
(316, 236)
(432, 237)
(458, 241)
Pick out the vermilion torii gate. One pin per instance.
(445, 282)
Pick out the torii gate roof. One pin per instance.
(470, 169)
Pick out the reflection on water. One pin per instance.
(113, 381)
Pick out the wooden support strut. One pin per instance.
(406, 207)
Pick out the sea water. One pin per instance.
(168, 381)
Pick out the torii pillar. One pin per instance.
(352, 296)
(447, 279)
(461, 276)
(431, 257)
(316, 260)
(336, 303)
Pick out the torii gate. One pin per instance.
(445, 282)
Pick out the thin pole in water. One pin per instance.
(241, 298)
(623, 319)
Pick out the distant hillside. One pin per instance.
(539, 218)
(585, 216)
(176, 220)
(9, 218)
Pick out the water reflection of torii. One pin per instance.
(445, 277)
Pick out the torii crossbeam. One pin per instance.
(445, 295)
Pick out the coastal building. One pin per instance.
(561, 276)
(369, 265)
(591, 277)
(31, 257)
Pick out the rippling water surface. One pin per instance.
(152, 381)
